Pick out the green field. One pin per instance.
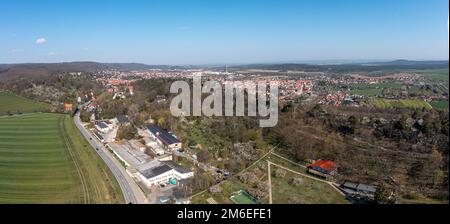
(374, 89)
(435, 74)
(308, 192)
(397, 104)
(440, 105)
(44, 159)
(11, 103)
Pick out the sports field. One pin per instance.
(11, 103)
(44, 159)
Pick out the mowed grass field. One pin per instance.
(45, 160)
(391, 104)
(11, 103)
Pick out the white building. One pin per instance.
(104, 126)
(156, 172)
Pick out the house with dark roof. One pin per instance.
(164, 138)
(104, 126)
(323, 168)
(122, 119)
(158, 172)
(358, 190)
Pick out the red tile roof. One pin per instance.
(326, 165)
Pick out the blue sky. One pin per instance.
(219, 31)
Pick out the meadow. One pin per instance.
(45, 160)
(13, 104)
(398, 104)
(374, 89)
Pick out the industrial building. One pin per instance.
(164, 138)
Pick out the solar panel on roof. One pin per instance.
(102, 125)
(163, 135)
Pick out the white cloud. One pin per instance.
(52, 54)
(41, 41)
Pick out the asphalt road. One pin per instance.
(131, 191)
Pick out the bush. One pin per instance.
(127, 132)
(280, 173)
(296, 181)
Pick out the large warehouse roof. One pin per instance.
(163, 135)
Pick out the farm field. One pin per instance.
(435, 74)
(417, 91)
(440, 105)
(11, 103)
(45, 160)
(391, 104)
(374, 89)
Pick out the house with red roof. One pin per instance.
(323, 168)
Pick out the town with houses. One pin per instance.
(149, 160)
(224, 103)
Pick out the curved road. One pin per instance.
(131, 191)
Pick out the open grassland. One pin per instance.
(392, 104)
(307, 192)
(11, 103)
(44, 159)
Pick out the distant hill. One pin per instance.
(355, 67)
(42, 70)
(137, 66)
(410, 63)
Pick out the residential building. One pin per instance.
(323, 168)
(122, 120)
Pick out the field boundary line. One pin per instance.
(68, 147)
